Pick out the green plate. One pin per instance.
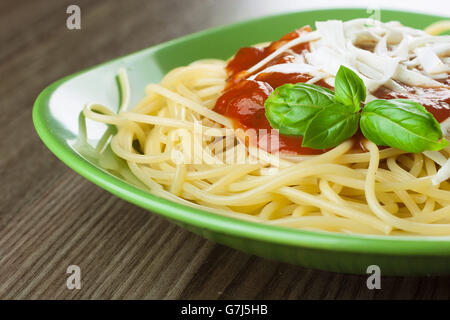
(57, 121)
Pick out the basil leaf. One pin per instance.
(291, 106)
(349, 89)
(402, 124)
(331, 126)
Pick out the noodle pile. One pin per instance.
(386, 191)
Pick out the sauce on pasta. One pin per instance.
(435, 100)
(243, 100)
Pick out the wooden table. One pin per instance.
(51, 218)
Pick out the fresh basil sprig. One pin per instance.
(325, 119)
(401, 124)
(332, 124)
(292, 106)
(349, 88)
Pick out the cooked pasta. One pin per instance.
(181, 147)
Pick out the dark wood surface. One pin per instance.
(51, 218)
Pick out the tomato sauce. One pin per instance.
(249, 56)
(243, 100)
(435, 100)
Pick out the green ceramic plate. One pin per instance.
(56, 118)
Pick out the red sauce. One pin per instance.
(249, 56)
(435, 100)
(243, 100)
(244, 103)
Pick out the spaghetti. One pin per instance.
(183, 148)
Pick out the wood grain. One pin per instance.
(51, 218)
